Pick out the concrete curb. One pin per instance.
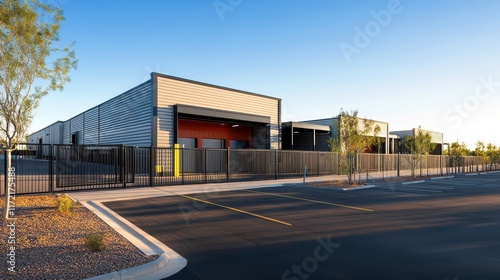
(413, 182)
(442, 177)
(471, 174)
(168, 263)
(359, 188)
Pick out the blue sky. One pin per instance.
(409, 63)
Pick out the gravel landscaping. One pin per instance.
(49, 245)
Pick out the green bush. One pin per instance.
(65, 204)
(95, 242)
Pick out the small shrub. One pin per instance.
(65, 205)
(95, 242)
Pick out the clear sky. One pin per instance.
(409, 63)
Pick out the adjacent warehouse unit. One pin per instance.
(386, 147)
(168, 110)
(436, 138)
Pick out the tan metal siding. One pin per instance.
(172, 91)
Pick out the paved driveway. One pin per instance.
(443, 229)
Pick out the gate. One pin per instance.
(90, 166)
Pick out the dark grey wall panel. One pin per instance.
(127, 118)
(91, 129)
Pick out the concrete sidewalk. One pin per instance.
(146, 192)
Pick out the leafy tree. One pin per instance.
(418, 145)
(493, 154)
(480, 152)
(31, 65)
(353, 137)
(456, 152)
(377, 141)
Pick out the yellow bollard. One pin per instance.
(176, 160)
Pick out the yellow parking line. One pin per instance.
(236, 210)
(316, 201)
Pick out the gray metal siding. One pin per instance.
(49, 134)
(91, 121)
(76, 126)
(66, 136)
(126, 119)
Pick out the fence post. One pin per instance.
(228, 172)
(122, 162)
(206, 164)
(182, 164)
(51, 168)
(441, 164)
(399, 164)
(7, 166)
(317, 164)
(152, 166)
(304, 177)
(276, 164)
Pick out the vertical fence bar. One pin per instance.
(51, 169)
(276, 162)
(206, 164)
(182, 165)
(317, 164)
(151, 166)
(399, 164)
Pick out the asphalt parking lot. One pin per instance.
(440, 229)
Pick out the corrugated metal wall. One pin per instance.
(125, 119)
(50, 134)
(175, 91)
(91, 119)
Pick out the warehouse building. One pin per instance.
(168, 110)
(305, 136)
(321, 140)
(436, 138)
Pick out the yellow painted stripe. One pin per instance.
(315, 201)
(236, 210)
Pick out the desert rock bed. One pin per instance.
(49, 245)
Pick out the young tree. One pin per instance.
(480, 152)
(353, 138)
(377, 141)
(493, 154)
(419, 145)
(31, 66)
(456, 152)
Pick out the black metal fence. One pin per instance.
(57, 168)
